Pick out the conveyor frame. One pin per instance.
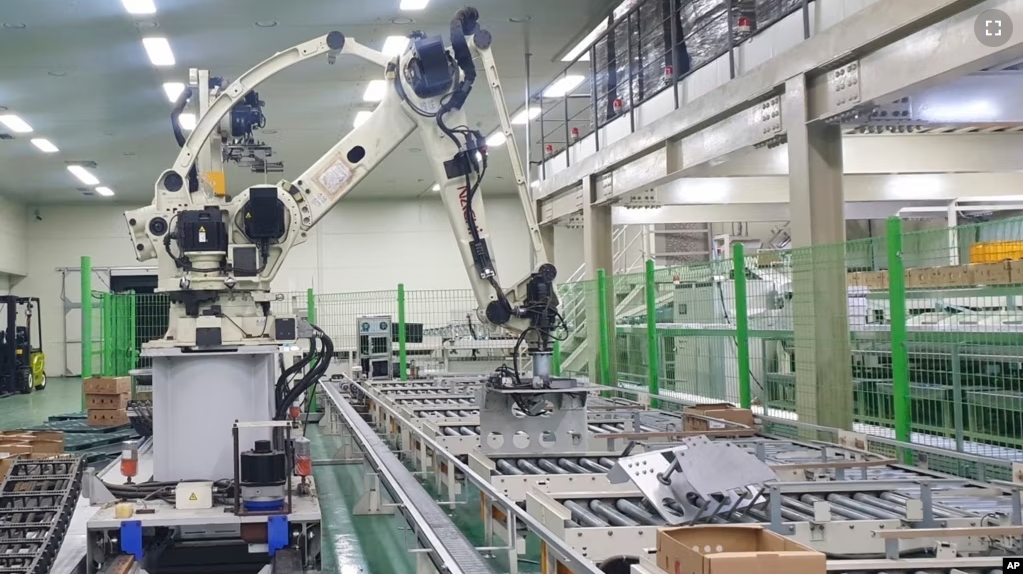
(400, 483)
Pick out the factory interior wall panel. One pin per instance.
(5, 283)
(13, 257)
(568, 251)
(58, 236)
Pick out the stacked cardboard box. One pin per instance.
(106, 399)
(734, 549)
(14, 444)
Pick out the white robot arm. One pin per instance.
(218, 255)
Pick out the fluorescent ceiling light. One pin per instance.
(436, 187)
(526, 115)
(395, 45)
(563, 86)
(361, 117)
(580, 50)
(187, 121)
(159, 51)
(413, 4)
(173, 90)
(83, 175)
(375, 91)
(15, 123)
(139, 6)
(496, 139)
(44, 145)
(104, 191)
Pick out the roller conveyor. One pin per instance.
(559, 466)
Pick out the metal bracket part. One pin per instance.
(562, 429)
(696, 480)
(844, 86)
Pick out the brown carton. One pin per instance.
(875, 280)
(106, 401)
(107, 385)
(733, 549)
(1016, 271)
(144, 395)
(725, 411)
(27, 437)
(992, 274)
(107, 417)
(959, 276)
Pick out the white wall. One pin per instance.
(13, 258)
(360, 246)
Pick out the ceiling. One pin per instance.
(78, 74)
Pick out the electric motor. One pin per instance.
(263, 478)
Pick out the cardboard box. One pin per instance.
(876, 280)
(144, 395)
(992, 274)
(107, 417)
(1016, 271)
(107, 385)
(6, 460)
(734, 549)
(959, 276)
(725, 411)
(27, 437)
(107, 401)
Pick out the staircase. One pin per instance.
(628, 293)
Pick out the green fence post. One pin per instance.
(86, 273)
(310, 306)
(556, 359)
(310, 315)
(604, 331)
(900, 354)
(653, 349)
(741, 324)
(401, 332)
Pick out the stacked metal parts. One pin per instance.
(37, 499)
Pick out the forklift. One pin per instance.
(22, 364)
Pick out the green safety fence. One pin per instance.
(892, 336)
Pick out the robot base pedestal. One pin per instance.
(197, 397)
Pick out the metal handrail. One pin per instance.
(613, 27)
(571, 558)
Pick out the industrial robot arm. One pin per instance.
(223, 249)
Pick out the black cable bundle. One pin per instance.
(312, 377)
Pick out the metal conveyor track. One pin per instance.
(453, 551)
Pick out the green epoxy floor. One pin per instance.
(363, 544)
(62, 395)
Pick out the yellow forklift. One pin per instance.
(22, 363)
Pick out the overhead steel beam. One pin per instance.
(924, 59)
(761, 212)
(902, 189)
(881, 24)
(892, 154)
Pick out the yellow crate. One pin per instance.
(990, 252)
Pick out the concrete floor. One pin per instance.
(62, 395)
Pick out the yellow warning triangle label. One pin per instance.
(193, 498)
(248, 215)
(202, 230)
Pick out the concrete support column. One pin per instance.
(597, 254)
(824, 390)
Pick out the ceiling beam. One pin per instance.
(761, 191)
(891, 154)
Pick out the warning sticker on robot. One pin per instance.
(193, 497)
(202, 235)
(334, 178)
